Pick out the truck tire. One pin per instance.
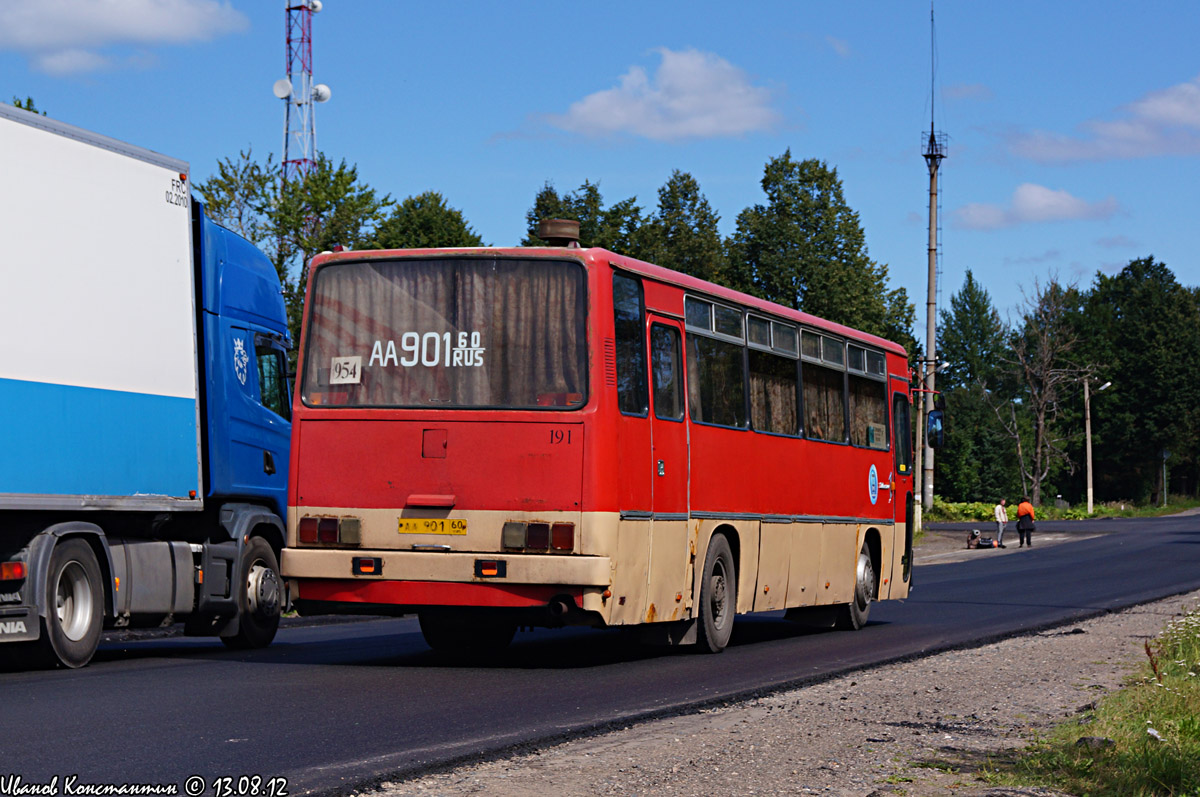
(718, 596)
(259, 593)
(75, 605)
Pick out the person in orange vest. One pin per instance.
(1025, 526)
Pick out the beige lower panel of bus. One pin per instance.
(653, 568)
(380, 528)
(809, 564)
(895, 586)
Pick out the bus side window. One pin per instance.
(824, 401)
(629, 323)
(665, 365)
(716, 382)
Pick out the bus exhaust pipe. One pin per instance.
(559, 608)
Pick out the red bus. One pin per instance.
(496, 438)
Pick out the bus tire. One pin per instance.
(853, 615)
(259, 595)
(718, 596)
(465, 633)
(75, 601)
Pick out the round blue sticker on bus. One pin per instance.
(873, 484)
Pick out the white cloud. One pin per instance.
(1118, 242)
(967, 91)
(1048, 256)
(1032, 204)
(70, 61)
(70, 36)
(692, 95)
(1164, 122)
(840, 46)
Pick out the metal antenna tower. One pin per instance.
(933, 149)
(299, 93)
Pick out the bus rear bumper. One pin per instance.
(424, 566)
(412, 595)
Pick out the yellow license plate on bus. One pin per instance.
(432, 526)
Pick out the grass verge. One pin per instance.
(1142, 740)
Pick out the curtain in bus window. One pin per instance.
(824, 409)
(773, 393)
(716, 385)
(455, 332)
(868, 412)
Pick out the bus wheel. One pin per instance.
(465, 633)
(75, 598)
(718, 596)
(258, 597)
(854, 614)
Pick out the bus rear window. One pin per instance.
(448, 332)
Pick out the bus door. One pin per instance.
(902, 482)
(670, 576)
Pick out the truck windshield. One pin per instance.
(447, 332)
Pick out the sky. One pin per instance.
(1073, 128)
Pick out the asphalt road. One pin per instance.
(335, 706)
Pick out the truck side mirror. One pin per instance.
(935, 435)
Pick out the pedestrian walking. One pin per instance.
(1001, 513)
(1025, 524)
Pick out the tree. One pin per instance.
(683, 234)
(976, 463)
(424, 221)
(325, 208)
(240, 194)
(1042, 360)
(617, 228)
(27, 105)
(806, 249)
(1146, 328)
(295, 219)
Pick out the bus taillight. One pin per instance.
(537, 536)
(329, 530)
(562, 536)
(513, 536)
(307, 529)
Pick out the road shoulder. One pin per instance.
(917, 728)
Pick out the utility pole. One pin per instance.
(933, 149)
(1087, 434)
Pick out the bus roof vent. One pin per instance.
(559, 232)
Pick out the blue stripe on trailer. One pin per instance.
(64, 440)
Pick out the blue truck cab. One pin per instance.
(246, 396)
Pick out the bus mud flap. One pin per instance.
(681, 632)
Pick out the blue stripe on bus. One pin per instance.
(64, 440)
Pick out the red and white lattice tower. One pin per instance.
(299, 93)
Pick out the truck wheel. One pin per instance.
(75, 599)
(465, 633)
(853, 615)
(718, 596)
(258, 596)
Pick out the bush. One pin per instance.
(948, 512)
